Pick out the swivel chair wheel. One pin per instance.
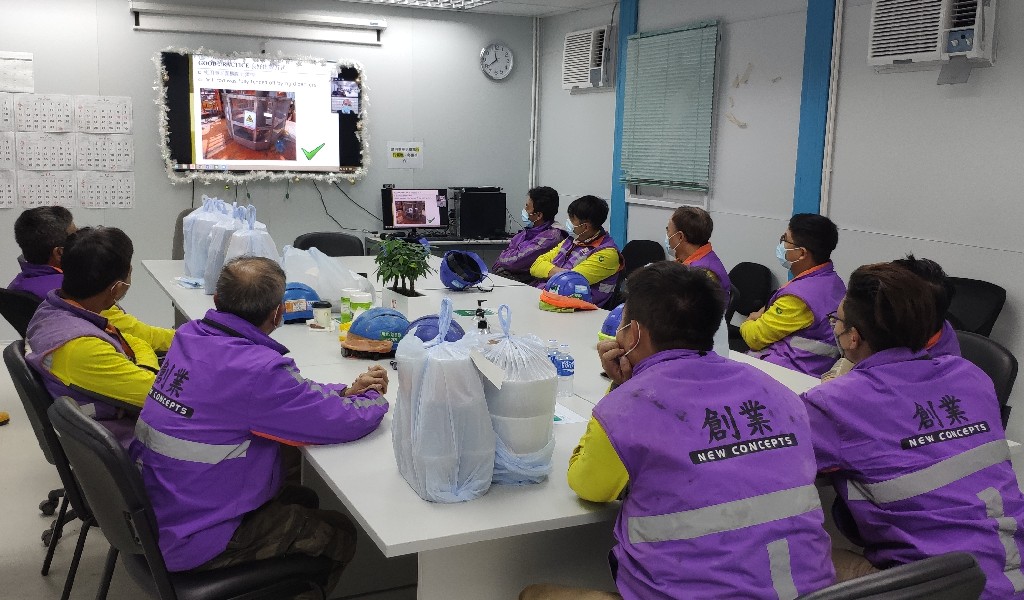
(47, 537)
(51, 535)
(48, 507)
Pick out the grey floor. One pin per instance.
(26, 479)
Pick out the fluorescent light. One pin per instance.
(151, 16)
(435, 4)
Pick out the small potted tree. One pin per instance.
(399, 265)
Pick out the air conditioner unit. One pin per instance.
(913, 35)
(586, 59)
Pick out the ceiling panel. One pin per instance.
(519, 8)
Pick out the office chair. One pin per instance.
(953, 576)
(996, 361)
(113, 487)
(330, 243)
(635, 254)
(37, 400)
(753, 281)
(975, 305)
(18, 308)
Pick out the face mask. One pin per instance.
(525, 218)
(780, 253)
(668, 244)
(126, 286)
(570, 228)
(637, 337)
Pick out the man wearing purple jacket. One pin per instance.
(209, 437)
(712, 459)
(539, 235)
(914, 444)
(41, 233)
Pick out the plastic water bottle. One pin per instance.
(566, 366)
(552, 351)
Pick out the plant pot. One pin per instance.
(412, 307)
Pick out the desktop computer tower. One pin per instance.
(480, 212)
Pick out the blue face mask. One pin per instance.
(780, 253)
(570, 228)
(525, 218)
(668, 245)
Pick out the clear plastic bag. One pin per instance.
(322, 273)
(441, 430)
(250, 240)
(220, 237)
(522, 409)
(196, 228)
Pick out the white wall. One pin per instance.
(424, 84)
(935, 169)
(575, 141)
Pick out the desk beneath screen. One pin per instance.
(487, 249)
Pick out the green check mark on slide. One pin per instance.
(311, 153)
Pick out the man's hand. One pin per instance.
(376, 378)
(756, 314)
(555, 271)
(614, 361)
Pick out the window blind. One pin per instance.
(670, 88)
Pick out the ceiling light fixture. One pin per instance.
(434, 4)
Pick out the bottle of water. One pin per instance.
(552, 351)
(566, 366)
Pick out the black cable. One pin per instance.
(361, 207)
(247, 196)
(322, 201)
(236, 193)
(287, 188)
(193, 193)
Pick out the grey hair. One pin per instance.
(250, 287)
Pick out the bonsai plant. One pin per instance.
(400, 264)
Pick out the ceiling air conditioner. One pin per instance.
(913, 35)
(586, 59)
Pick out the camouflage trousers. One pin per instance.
(291, 523)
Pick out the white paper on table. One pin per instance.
(6, 111)
(46, 188)
(7, 150)
(103, 114)
(8, 189)
(16, 72)
(46, 151)
(98, 189)
(564, 416)
(44, 112)
(104, 152)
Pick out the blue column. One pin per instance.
(810, 151)
(629, 11)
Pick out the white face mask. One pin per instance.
(637, 337)
(780, 254)
(668, 244)
(570, 228)
(525, 218)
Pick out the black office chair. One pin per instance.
(113, 487)
(754, 283)
(37, 400)
(995, 360)
(953, 576)
(975, 305)
(330, 243)
(18, 308)
(635, 254)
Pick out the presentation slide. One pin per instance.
(251, 114)
(417, 208)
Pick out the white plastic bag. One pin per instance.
(322, 273)
(251, 240)
(220, 236)
(522, 410)
(441, 430)
(195, 229)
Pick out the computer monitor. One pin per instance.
(421, 210)
(481, 213)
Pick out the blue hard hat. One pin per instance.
(426, 328)
(376, 330)
(298, 302)
(461, 269)
(611, 323)
(570, 283)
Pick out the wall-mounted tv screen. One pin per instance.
(414, 209)
(256, 114)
